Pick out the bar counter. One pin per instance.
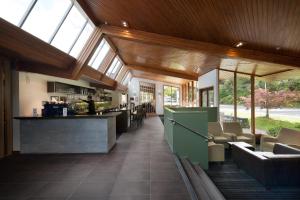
(69, 134)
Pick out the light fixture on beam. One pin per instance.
(239, 44)
(125, 24)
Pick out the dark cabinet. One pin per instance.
(59, 87)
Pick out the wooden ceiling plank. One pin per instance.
(163, 71)
(221, 51)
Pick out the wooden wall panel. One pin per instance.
(1, 109)
(6, 134)
(8, 118)
(24, 46)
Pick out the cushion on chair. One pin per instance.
(221, 139)
(242, 138)
(289, 136)
(233, 127)
(216, 152)
(215, 128)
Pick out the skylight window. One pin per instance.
(45, 18)
(114, 68)
(126, 79)
(69, 31)
(84, 36)
(99, 54)
(59, 22)
(14, 10)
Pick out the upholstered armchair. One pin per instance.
(285, 136)
(239, 136)
(216, 131)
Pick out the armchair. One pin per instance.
(285, 136)
(216, 131)
(236, 129)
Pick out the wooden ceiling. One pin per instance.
(158, 77)
(262, 24)
(164, 57)
(195, 36)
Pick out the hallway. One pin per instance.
(140, 167)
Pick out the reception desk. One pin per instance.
(71, 134)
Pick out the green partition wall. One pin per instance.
(183, 140)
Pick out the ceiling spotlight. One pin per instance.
(124, 23)
(278, 48)
(239, 44)
(106, 22)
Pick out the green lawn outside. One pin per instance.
(273, 126)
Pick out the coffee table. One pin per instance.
(244, 144)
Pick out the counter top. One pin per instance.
(106, 115)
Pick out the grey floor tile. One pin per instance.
(56, 190)
(131, 188)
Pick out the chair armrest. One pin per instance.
(267, 138)
(231, 135)
(211, 137)
(249, 135)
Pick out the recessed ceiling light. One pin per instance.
(278, 48)
(124, 23)
(239, 44)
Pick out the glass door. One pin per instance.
(171, 96)
(207, 97)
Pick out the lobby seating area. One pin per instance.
(239, 136)
(285, 136)
(231, 132)
(277, 168)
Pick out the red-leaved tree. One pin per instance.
(276, 99)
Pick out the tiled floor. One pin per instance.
(140, 167)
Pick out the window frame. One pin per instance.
(49, 40)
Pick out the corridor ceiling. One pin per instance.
(268, 29)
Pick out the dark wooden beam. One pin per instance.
(220, 51)
(121, 88)
(164, 71)
(23, 46)
(154, 78)
(41, 68)
(102, 86)
(88, 12)
(99, 77)
(87, 53)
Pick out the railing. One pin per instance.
(191, 130)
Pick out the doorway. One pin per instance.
(147, 96)
(207, 97)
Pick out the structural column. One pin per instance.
(253, 104)
(235, 95)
